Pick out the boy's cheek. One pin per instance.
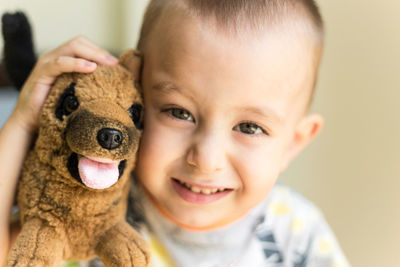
(257, 186)
(259, 169)
(158, 147)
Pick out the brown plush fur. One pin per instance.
(62, 218)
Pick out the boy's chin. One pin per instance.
(199, 222)
(203, 220)
(190, 218)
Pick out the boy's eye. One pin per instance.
(181, 114)
(249, 128)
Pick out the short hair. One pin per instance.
(236, 16)
(233, 14)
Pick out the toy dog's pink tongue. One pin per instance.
(98, 175)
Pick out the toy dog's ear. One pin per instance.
(132, 60)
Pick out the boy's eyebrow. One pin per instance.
(167, 87)
(265, 112)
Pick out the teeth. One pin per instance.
(194, 188)
(205, 191)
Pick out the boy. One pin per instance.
(226, 87)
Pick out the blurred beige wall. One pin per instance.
(106, 22)
(352, 170)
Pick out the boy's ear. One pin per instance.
(307, 129)
(132, 60)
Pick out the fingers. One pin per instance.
(63, 64)
(46, 71)
(77, 55)
(81, 47)
(106, 58)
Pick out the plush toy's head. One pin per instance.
(89, 126)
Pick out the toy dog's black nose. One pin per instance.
(109, 138)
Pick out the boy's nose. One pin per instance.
(207, 154)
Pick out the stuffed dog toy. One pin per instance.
(73, 191)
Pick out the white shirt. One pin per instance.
(284, 230)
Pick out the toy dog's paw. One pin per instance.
(37, 245)
(123, 246)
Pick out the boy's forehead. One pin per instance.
(275, 58)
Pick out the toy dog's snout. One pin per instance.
(109, 138)
(102, 134)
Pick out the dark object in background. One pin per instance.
(19, 55)
(4, 81)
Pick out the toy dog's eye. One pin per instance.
(70, 104)
(67, 102)
(135, 112)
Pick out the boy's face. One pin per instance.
(224, 116)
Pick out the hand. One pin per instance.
(77, 55)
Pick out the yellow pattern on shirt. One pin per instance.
(159, 255)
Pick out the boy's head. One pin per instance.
(246, 19)
(226, 88)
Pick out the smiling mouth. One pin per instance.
(199, 195)
(199, 190)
